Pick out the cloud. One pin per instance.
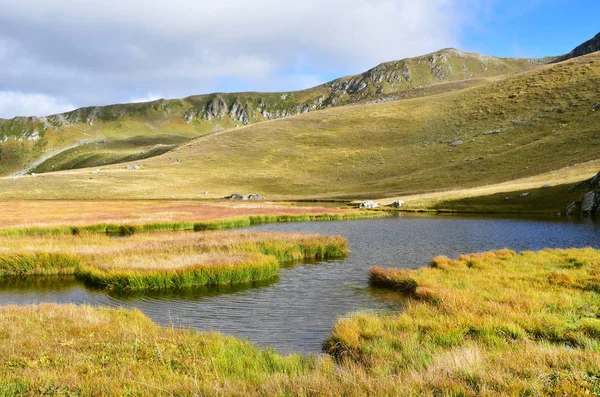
(25, 104)
(148, 98)
(111, 52)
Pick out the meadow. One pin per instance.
(21, 217)
(495, 323)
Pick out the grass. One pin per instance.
(548, 193)
(372, 150)
(495, 323)
(163, 260)
(127, 229)
(99, 154)
(126, 127)
(64, 217)
(490, 323)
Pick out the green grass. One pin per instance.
(163, 260)
(254, 268)
(38, 264)
(494, 324)
(99, 154)
(373, 150)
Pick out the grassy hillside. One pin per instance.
(512, 127)
(29, 144)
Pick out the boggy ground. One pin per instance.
(162, 260)
(496, 323)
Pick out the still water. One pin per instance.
(297, 310)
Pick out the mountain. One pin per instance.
(503, 128)
(98, 136)
(588, 47)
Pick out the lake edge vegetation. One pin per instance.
(164, 260)
(495, 323)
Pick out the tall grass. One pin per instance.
(253, 268)
(494, 324)
(38, 263)
(163, 260)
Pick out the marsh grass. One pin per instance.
(223, 224)
(487, 323)
(163, 260)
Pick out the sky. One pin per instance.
(58, 55)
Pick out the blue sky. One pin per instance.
(532, 28)
(57, 55)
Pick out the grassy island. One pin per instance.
(163, 260)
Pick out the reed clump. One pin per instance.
(164, 260)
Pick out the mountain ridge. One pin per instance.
(26, 140)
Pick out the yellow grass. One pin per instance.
(491, 198)
(163, 260)
(489, 324)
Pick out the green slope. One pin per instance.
(25, 141)
(511, 127)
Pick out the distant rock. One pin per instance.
(588, 47)
(590, 203)
(236, 196)
(368, 204)
(524, 194)
(545, 186)
(596, 106)
(507, 198)
(396, 204)
(491, 132)
(457, 143)
(589, 184)
(571, 209)
(133, 167)
(255, 197)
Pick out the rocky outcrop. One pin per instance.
(590, 203)
(237, 113)
(237, 196)
(396, 204)
(216, 108)
(588, 47)
(589, 184)
(368, 204)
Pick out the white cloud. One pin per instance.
(95, 54)
(148, 98)
(22, 104)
